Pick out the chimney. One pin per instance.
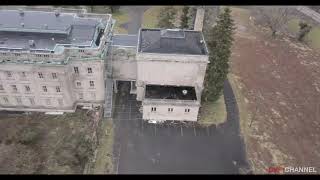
(198, 24)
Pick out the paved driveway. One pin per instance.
(175, 148)
(135, 14)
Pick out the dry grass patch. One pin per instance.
(213, 112)
(104, 156)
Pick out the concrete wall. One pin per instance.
(168, 69)
(162, 112)
(124, 64)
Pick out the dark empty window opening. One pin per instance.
(170, 92)
(31, 100)
(27, 88)
(89, 70)
(23, 74)
(54, 75)
(6, 100)
(153, 109)
(44, 88)
(14, 88)
(187, 110)
(91, 84)
(9, 74)
(100, 34)
(58, 89)
(40, 75)
(76, 70)
(170, 109)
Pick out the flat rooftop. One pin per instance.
(170, 92)
(45, 29)
(172, 41)
(125, 40)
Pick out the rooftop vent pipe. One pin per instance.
(21, 12)
(184, 92)
(57, 13)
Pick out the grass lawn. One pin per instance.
(120, 18)
(150, 17)
(103, 163)
(213, 112)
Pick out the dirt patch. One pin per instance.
(46, 144)
(280, 79)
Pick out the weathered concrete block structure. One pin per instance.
(53, 61)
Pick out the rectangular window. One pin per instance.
(9, 74)
(17, 54)
(81, 50)
(93, 96)
(170, 109)
(58, 88)
(40, 75)
(76, 70)
(44, 88)
(187, 110)
(19, 100)
(31, 100)
(89, 70)
(23, 74)
(14, 88)
(80, 95)
(27, 88)
(91, 84)
(153, 109)
(54, 75)
(6, 100)
(78, 84)
(60, 102)
(1, 87)
(48, 102)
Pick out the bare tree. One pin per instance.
(274, 17)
